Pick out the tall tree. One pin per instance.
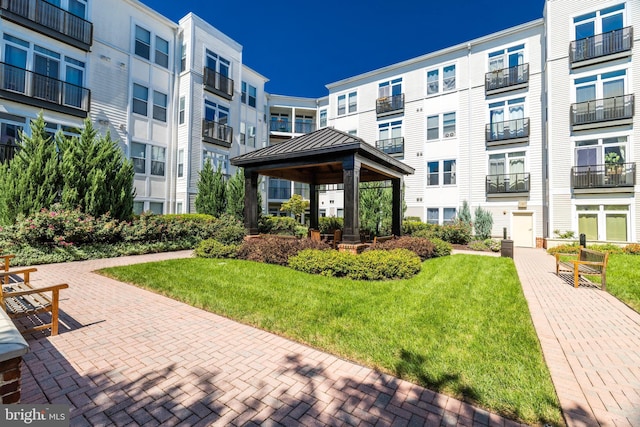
(97, 178)
(32, 180)
(296, 205)
(211, 198)
(235, 195)
(375, 208)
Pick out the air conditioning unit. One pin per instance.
(449, 134)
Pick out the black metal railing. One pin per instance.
(217, 132)
(604, 176)
(599, 45)
(41, 87)
(7, 152)
(280, 126)
(304, 127)
(47, 15)
(392, 146)
(388, 104)
(510, 129)
(602, 110)
(506, 77)
(508, 183)
(218, 83)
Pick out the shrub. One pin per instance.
(228, 230)
(493, 244)
(276, 249)
(327, 224)
(569, 234)
(428, 233)
(483, 222)
(418, 245)
(572, 248)
(633, 249)
(212, 248)
(440, 247)
(607, 247)
(411, 227)
(478, 245)
(457, 233)
(282, 225)
(370, 265)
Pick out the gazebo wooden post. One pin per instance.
(351, 179)
(396, 206)
(314, 222)
(251, 200)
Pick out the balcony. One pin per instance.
(509, 132)
(280, 126)
(216, 83)
(507, 79)
(217, 133)
(50, 20)
(393, 147)
(280, 193)
(601, 47)
(507, 184)
(389, 105)
(614, 111)
(7, 151)
(304, 127)
(609, 177)
(27, 87)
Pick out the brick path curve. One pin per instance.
(133, 357)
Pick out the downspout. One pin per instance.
(469, 109)
(173, 151)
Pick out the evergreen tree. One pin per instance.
(375, 208)
(97, 178)
(211, 197)
(235, 195)
(32, 180)
(219, 191)
(465, 213)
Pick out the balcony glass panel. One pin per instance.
(507, 183)
(391, 146)
(389, 104)
(510, 129)
(604, 176)
(507, 77)
(599, 45)
(602, 110)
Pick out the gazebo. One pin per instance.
(326, 156)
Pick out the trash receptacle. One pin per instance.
(506, 248)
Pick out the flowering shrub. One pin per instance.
(633, 249)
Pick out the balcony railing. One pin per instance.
(35, 89)
(602, 110)
(218, 83)
(511, 129)
(49, 19)
(506, 77)
(508, 183)
(304, 127)
(280, 193)
(604, 176)
(217, 133)
(604, 44)
(390, 104)
(393, 146)
(7, 152)
(280, 126)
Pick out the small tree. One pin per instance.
(211, 198)
(375, 208)
(296, 205)
(235, 195)
(465, 213)
(483, 222)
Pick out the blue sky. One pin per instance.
(302, 46)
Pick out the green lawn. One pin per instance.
(460, 327)
(623, 279)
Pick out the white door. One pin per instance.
(522, 231)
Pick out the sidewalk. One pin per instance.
(590, 341)
(127, 356)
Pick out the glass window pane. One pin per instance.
(616, 227)
(588, 225)
(433, 215)
(612, 23)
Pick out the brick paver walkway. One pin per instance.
(131, 357)
(590, 340)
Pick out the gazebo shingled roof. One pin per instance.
(326, 156)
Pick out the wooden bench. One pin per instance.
(20, 299)
(381, 239)
(6, 259)
(587, 262)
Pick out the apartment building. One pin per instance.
(535, 123)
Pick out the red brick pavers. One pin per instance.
(127, 356)
(590, 340)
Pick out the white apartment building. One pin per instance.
(535, 123)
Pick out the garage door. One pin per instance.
(522, 233)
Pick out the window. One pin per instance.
(218, 161)
(599, 22)
(506, 58)
(449, 172)
(179, 208)
(390, 88)
(433, 215)
(507, 172)
(323, 118)
(143, 43)
(139, 155)
(156, 208)
(606, 86)
(252, 96)
(342, 100)
(157, 160)
(251, 136)
(449, 78)
(449, 125)
(593, 152)
(448, 74)
(243, 96)
(433, 127)
(353, 102)
(181, 111)
(162, 52)
(159, 106)
(217, 63)
(390, 132)
(604, 222)
(140, 98)
(180, 163)
(252, 92)
(506, 119)
(433, 82)
(243, 133)
(216, 113)
(138, 207)
(449, 215)
(353, 132)
(433, 172)
(9, 134)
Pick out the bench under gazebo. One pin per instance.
(326, 156)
